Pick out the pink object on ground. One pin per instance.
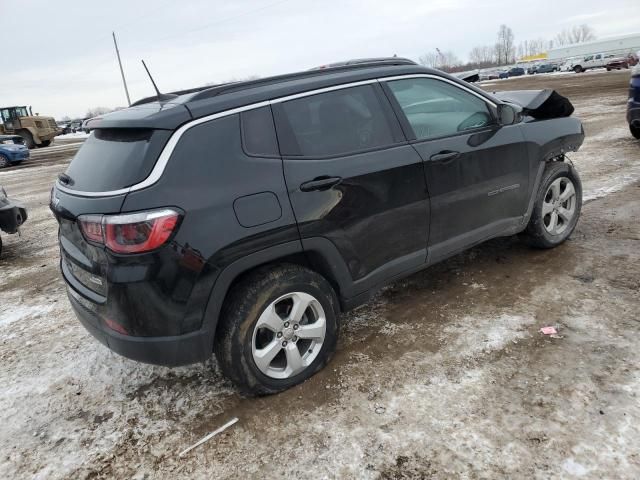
(549, 330)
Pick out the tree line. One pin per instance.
(505, 51)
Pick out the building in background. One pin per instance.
(618, 45)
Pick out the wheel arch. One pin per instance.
(317, 256)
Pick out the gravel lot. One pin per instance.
(443, 375)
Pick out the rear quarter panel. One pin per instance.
(207, 172)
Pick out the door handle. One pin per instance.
(320, 183)
(445, 156)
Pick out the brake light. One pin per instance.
(92, 228)
(130, 233)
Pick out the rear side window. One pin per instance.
(334, 123)
(115, 158)
(259, 133)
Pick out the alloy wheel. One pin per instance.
(288, 335)
(559, 206)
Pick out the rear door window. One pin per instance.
(340, 122)
(115, 158)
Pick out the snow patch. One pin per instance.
(13, 313)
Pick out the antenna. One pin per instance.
(124, 81)
(161, 96)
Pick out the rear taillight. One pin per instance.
(91, 226)
(130, 233)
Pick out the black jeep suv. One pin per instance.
(242, 219)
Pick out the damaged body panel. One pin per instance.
(538, 104)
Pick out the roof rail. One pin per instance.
(359, 62)
(214, 90)
(323, 70)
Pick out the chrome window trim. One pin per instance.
(441, 79)
(167, 151)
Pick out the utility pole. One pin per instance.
(124, 81)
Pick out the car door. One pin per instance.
(354, 181)
(477, 172)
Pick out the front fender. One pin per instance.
(547, 139)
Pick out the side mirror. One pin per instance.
(508, 114)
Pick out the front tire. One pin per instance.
(278, 327)
(28, 139)
(557, 207)
(635, 131)
(4, 161)
(578, 69)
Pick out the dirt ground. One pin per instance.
(442, 375)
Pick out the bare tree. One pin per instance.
(533, 47)
(481, 55)
(442, 60)
(448, 60)
(429, 59)
(576, 34)
(504, 49)
(94, 112)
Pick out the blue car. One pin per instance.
(633, 106)
(12, 150)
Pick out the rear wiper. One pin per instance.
(65, 179)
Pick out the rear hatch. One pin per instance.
(119, 154)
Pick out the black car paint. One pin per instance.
(385, 218)
(13, 214)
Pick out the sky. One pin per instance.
(62, 61)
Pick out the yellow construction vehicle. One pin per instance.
(37, 131)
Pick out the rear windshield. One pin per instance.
(115, 158)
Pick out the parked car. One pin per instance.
(569, 63)
(495, 75)
(12, 214)
(12, 150)
(64, 128)
(516, 72)
(633, 105)
(503, 74)
(625, 62)
(242, 219)
(617, 63)
(546, 68)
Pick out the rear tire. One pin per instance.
(45, 143)
(635, 131)
(278, 327)
(4, 161)
(557, 207)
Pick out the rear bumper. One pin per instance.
(168, 351)
(12, 216)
